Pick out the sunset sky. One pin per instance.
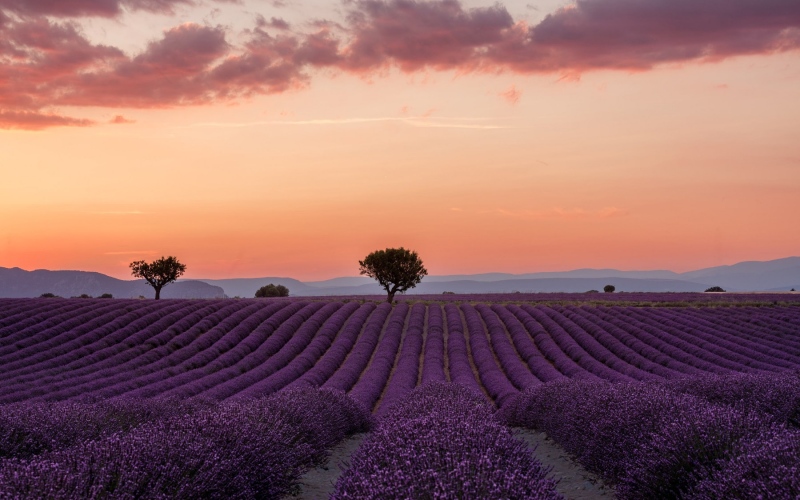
(292, 137)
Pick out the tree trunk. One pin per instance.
(158, 292)
(390, 298)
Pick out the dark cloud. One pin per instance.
(640, 34)
(77, 8)
(415, 35)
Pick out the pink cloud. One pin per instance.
(28, 120)
(120, 120)
(172, 71)
(45, 64)
(274, 22)
(77, 8)
(511, 94)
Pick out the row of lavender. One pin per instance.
(733, 436)
(664, 298)
(378, 353)
(156, 448)
(443, 441)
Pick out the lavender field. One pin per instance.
(237, 398)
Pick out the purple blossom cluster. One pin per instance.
(255, 448)
(31, 428)
(442, 441)
(647, 440)
(766, 466)
(773, 394)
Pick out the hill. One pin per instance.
(16, 282)
(773, 276)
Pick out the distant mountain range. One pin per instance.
(774, 275)
(16, 282)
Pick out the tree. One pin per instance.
(609, 288)
(272, 291)
(395, 269)
(715, 289)
(158, 273)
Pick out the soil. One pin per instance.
(574, 482)
(318, 483)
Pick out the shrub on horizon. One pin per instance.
(272, 291)
(48, 295)
(609, 288)
(106, 296)
(715, 289)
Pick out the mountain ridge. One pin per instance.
(773, 275)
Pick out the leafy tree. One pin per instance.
(609, 288)
(395, 269)
(158, 273)
(106, 296)
(592, 291)
(715, 289)
(272, 291)
(48, 295)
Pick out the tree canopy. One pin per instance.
(272, 291)
(395, 269)
(159, 272)
(609, 288)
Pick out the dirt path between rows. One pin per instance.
(574, 482)
(318, 483)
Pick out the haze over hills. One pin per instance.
(774, 275)
(16, 282)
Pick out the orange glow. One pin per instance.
(658, 170)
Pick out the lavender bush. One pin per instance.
(764, 467)
(443, 442)
(244, 449)
(31, 428)
(650, 441)
(775, 394)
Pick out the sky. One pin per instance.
(292, 137)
